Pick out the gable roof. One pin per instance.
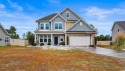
(56, 16)
(71, 11)
(120, 23)
(81, 28)
(4, 29)
(47, 18)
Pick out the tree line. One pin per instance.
(28, 36)
(104, 38)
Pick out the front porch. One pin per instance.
(54, 39)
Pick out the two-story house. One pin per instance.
(118, 27)
(67, 27)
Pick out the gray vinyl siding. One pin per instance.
(72, 15)
(2, 36)
(58, 19)
(115, 31)
(78, 27)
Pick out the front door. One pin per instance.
(56, 40)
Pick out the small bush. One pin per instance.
(41, 44)
(62, 43)
(120, 41)
(91, 45)
(49, 43)
(34, 44)
(111, 43)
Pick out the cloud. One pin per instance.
(15, 5)
(100, 13)
(54, 1)
(2, 6)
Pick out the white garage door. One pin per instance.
(79, 40)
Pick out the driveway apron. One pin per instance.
(103, 51)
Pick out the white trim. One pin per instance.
(35, 38)
(58, 15)
(51, 26)
(50, 33)
(82, 32)
(84, 23)
(65, 27)
(74, 24)
(4, 29)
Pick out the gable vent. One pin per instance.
(81, 23)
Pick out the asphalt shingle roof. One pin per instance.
(46, 18)
(121, 24)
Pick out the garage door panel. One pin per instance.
(79, 40)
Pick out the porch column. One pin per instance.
(65, 39)
(51, 39)
(39, 39)
(35, 38)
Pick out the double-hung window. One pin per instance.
(47, 26)
(49, 38)
(42, 26)
(6, 39)
(58, 25)
(45, 38)
(67, 15)
(41, 38)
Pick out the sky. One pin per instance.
(23, 13)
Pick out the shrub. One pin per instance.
(62, 43)
(49, 43)
(120, 41)
(41, 44)
(34, 44)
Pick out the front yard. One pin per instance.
(13, 58)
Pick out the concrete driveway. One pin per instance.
(103, 51)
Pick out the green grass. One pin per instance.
(2, 46)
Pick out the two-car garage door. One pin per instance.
(79, 40)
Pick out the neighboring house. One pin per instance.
(118, 27)
(4, 36)
(67, 27)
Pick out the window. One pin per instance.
(45, 38)
(42, 26)
(6, 39)
(41, 38)
(49, 38)
(47, 26)
(58, 25)
(67, 14)
(118, 30)
(61, 38)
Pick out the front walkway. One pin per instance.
(103, 51)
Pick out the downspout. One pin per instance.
(90, 40)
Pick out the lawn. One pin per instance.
(35, 59)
